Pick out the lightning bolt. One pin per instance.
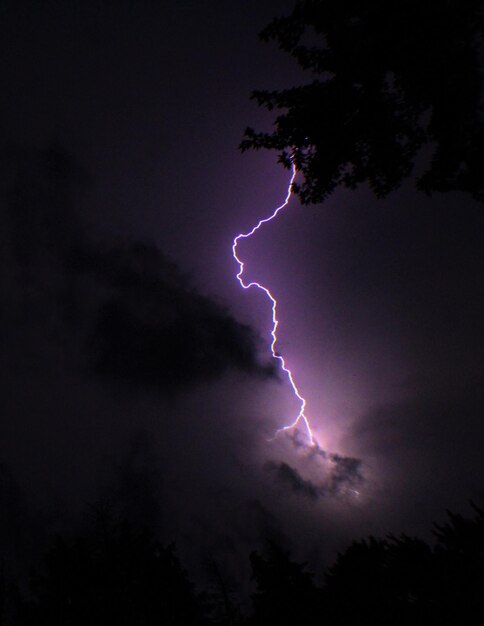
(301, 416)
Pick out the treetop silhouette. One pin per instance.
(388, 79)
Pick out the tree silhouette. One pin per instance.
(220, 600)
(380, 581)
(459, 555)
(285, 593)
(2, 592)
(405, 582)
(113, 574)
(388, 78)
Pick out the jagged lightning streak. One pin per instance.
(275, 322)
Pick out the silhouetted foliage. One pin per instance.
(114, 574)
(220, 599)
(380, 581)
(3, 599)
(285, 592)
(388, 79)
(403, 581)
(459, 555)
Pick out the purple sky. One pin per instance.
(379, 301)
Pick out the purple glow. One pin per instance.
(275, 322)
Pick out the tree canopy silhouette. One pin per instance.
(388, 79)
(115, 573)
(285, 593)
(112, 573)
(404, 581)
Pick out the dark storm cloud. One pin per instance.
(140, 319)
(153, 328)
(342, 474)
(289, 477)
(346, 472)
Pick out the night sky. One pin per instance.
(135, 369)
